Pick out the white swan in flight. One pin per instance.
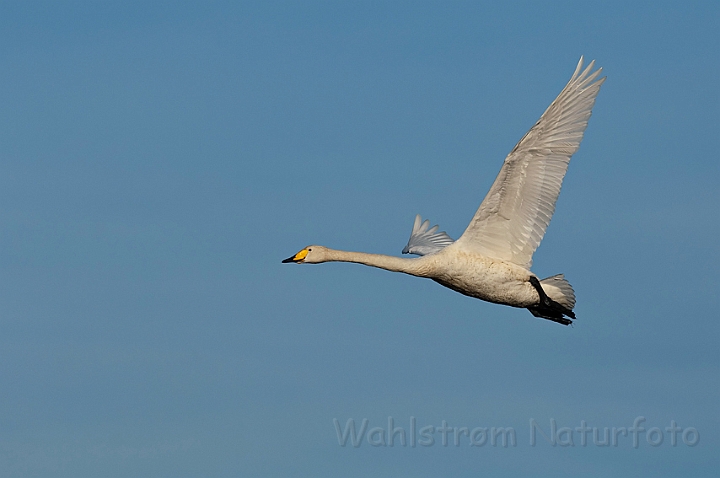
(491, 260)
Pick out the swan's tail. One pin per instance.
(562, 300)
(559, 290)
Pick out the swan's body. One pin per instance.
(491, 260)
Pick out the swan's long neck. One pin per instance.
(395, 264)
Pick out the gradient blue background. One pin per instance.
(157, 161)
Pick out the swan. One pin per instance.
(491, 260)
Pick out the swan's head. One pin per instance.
(309, 255)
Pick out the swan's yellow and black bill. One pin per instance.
(297, 257)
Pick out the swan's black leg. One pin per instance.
(543, 296)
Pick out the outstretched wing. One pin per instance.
(426, 241)
(513, 217)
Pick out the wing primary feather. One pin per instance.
(425, 239)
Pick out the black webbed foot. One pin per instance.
(548, 308)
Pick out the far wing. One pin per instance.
(426, 241)
(513, 217)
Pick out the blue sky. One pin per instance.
(158, 161)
